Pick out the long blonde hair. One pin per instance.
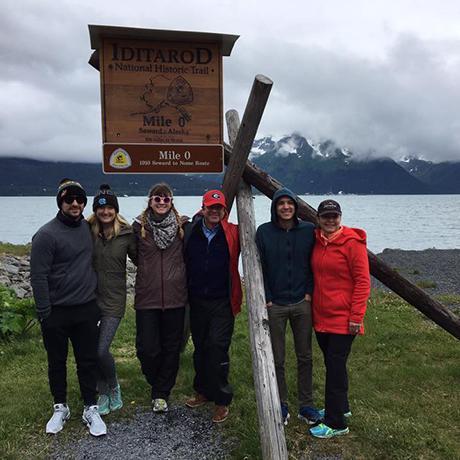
(161, 189)
(96, 227)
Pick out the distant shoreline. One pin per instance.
(255, 192)
(437, 271)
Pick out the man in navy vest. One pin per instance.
(214, 286)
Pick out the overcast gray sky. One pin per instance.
(371, 75)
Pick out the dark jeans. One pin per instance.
(299, 317)
(211, 323)
(107, 377)
(77, 323)
(158, 342)
(336, 348)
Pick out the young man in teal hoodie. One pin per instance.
(285, 246)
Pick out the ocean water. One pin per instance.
(391, 221)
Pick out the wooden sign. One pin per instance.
(161, 91)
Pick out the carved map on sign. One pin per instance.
(162, 92)
(179, 93)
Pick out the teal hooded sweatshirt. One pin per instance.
(285, 256)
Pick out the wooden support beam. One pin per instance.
(245, 137)
(272, 439)
(411, 293)
(271, 428)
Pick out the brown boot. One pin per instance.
(220, 414)
(196, 401)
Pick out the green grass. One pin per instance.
(404, 391)
(426, 284)
(15, 249)
(449, 298)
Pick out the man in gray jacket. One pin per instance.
(64, 283)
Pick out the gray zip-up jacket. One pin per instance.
(61, 269)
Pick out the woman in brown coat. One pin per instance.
(113, 241)
(160, 293)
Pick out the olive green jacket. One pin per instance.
(110, 264)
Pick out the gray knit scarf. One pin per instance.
(163, 231)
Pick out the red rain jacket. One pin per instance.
(341, 281)
(233, 241)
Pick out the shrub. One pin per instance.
(17, 316)
(15, 249)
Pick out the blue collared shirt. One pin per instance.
(209, 233)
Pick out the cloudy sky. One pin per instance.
(379, 75)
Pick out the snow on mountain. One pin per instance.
(287, 146)
(316, 149)
(261, 146)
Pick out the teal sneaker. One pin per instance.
(160, 405)
(325, 432)
(322, 413)
(103, 403)
(115, 398)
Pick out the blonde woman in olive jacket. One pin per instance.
(114, 239)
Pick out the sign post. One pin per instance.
(161, 94)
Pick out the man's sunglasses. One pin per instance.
(159, 199)
(71, 198)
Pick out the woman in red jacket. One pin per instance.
(341, 289)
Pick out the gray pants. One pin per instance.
(107, 378)
(299, 316)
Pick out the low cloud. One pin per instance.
(401, 102)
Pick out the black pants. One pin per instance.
(335, 348)
(158, 342)
(211, 324)
(79, 324)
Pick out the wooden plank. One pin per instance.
(245, 137)
(98, 32)
(272, 439)
(271, 426)
(411, 293)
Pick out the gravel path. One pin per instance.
(437, 271)
(180, 434)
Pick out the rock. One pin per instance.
(5, 280)
(9, 268)
(20, 293)
(11, 260)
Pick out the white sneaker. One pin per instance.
(56, 422)
(160, 405)
(93, 421)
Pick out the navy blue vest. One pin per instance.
(207, 264)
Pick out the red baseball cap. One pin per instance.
(214, 197)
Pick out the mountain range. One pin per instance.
(302, 165)
(327, 168)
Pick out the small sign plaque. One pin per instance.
(165, 158)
